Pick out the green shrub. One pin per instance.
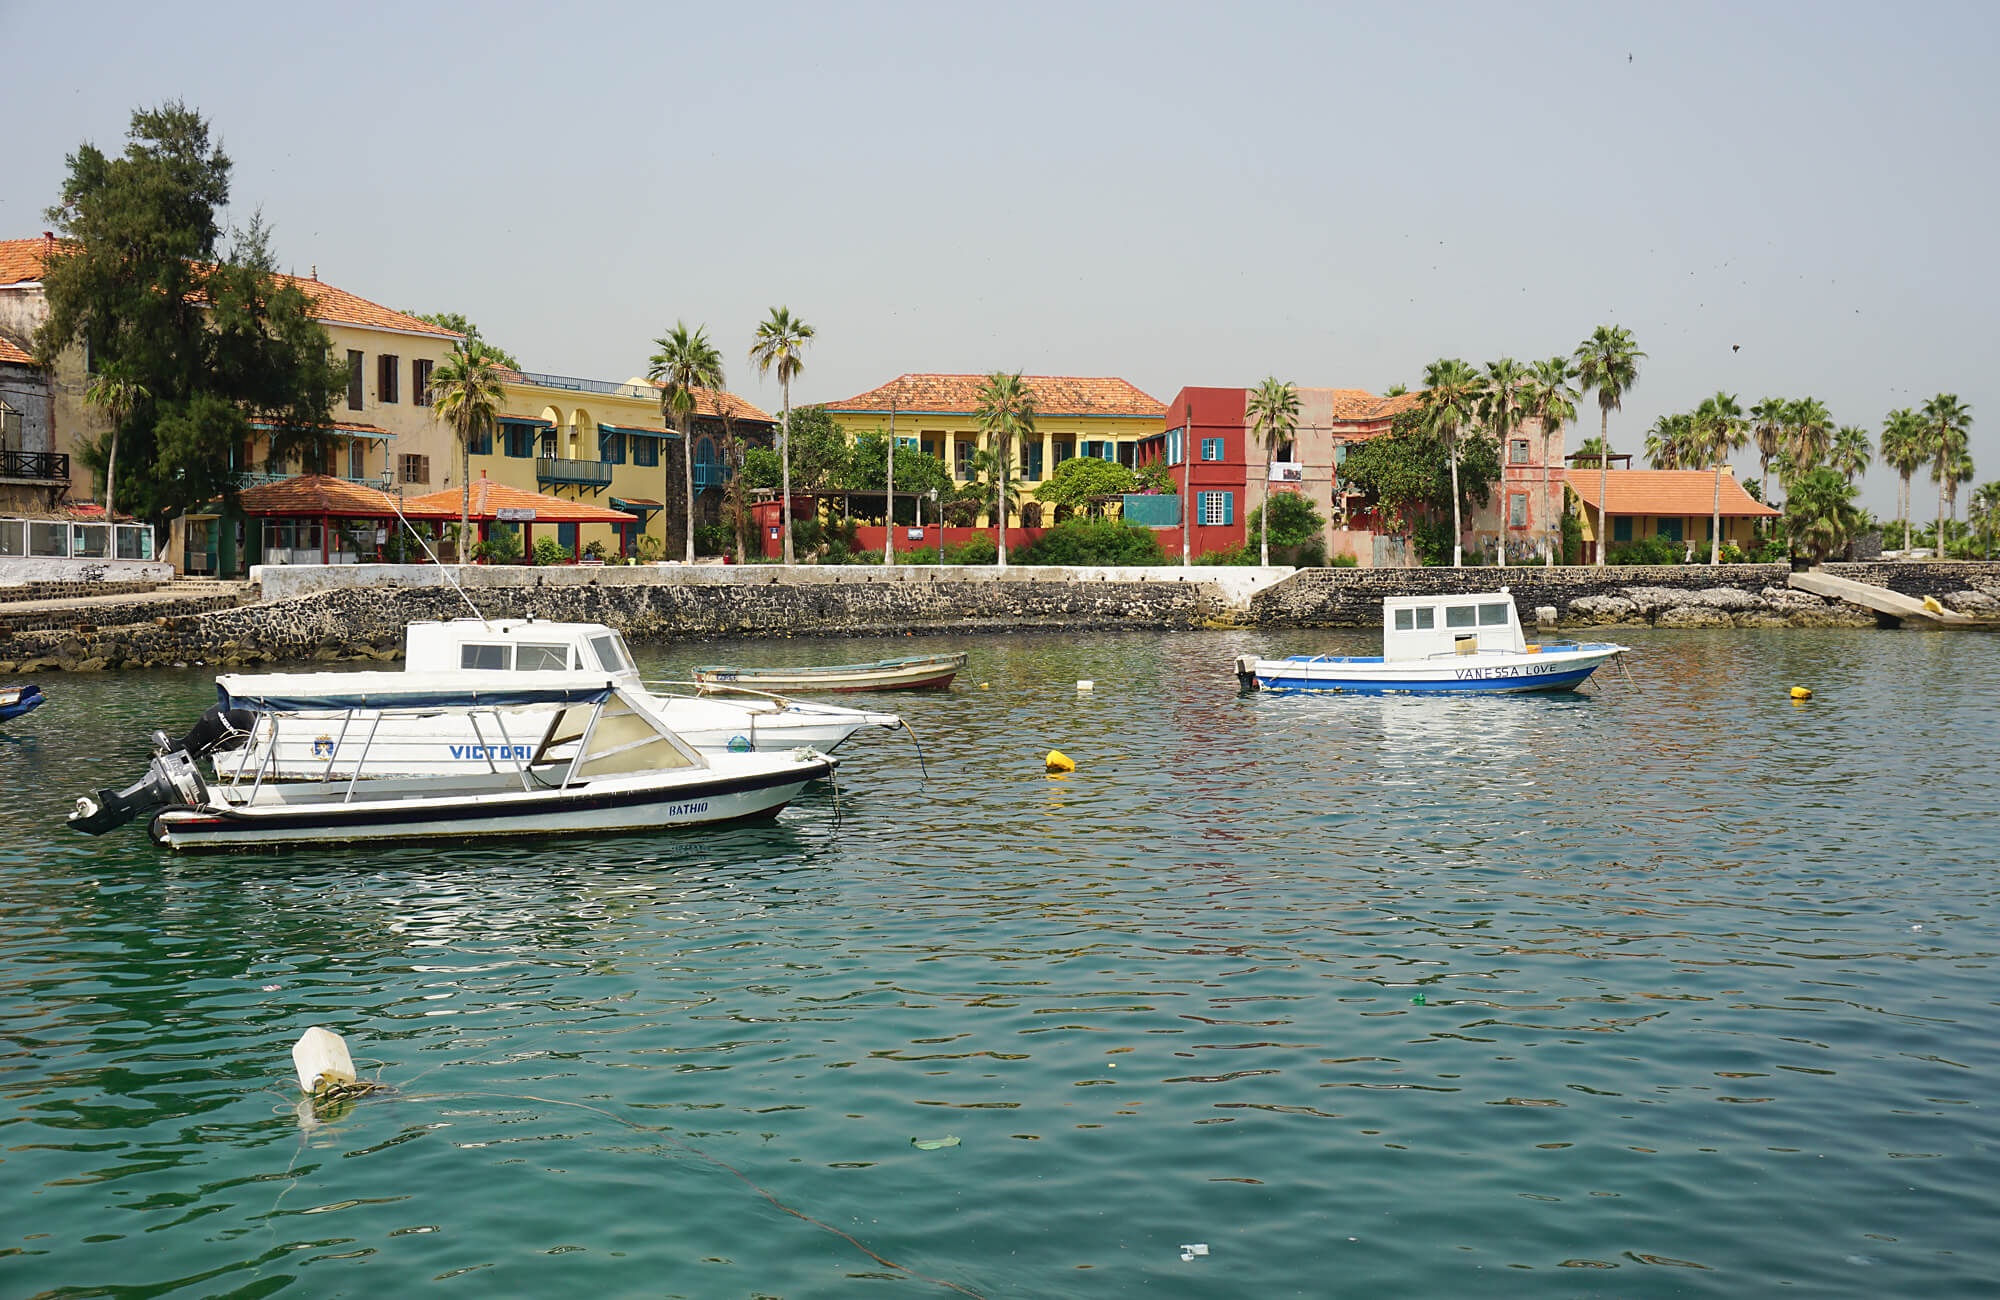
(1433, 542)
(1343, 562)
(1093, 541)
(503, 547)
(649, 548)
(976, 549)
(1651, 550)
(550, 551)
(1734, 554)
(713, 539)
(596, 550)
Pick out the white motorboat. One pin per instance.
(1465, 644)
(594, 756)
(494, 653)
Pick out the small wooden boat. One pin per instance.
(918, 672)
(1468, 644)
(16, 700)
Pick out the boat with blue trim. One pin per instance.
(17, 700)
(1462, 644)
(577, 752)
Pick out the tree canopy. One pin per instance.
(1407, 472)
(213, 340)
(452, 320)
(1080, 478)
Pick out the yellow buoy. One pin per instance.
(1801, 692)
(1058, 761)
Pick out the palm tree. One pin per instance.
(1548, 397)
(1947, 427)
(1902, 448)
(1852, 453)
(1716, 430)
(1451, 395)
(117, 396)
(781, 341)
(1607, 361)
(685, 363)
(1500, 408)
(1273, 407)
(1005, 409)
(1769, 421)
(465, 394)
(1819, 512)
(1811, 434)
(1670, 442)
(1984, 513)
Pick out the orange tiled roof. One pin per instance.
(1357, 405)
(489, 496)
(1055, 395)
(319, 494)
(334, 426)
(21, 260)
(12, 355)
(1667, 492)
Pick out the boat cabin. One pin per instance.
(521, 645)
(1420, 627)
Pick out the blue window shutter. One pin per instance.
(1228, 507)
(566, 536)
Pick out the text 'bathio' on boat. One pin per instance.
(1436, 645)
(595, 759)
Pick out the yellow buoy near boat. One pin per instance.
(1801, 692)
(1058, 761)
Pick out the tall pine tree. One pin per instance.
(139, 282)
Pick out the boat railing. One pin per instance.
(267, 722)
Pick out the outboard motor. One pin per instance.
(170, 781)
(217, 732)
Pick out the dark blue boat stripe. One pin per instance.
(347, 816)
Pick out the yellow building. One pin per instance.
(1103, 418)
(607, 442)
(1677, 505)
(382, 430)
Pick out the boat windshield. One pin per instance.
(611, 654)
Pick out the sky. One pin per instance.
(1777, 200)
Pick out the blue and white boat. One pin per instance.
(576, 752)
(1469, 644)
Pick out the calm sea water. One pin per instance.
(1678, 989)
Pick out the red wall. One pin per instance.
(1218, 413)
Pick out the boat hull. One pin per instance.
(933, 672)
(1491, 674)
(18, 700)
(601, 807)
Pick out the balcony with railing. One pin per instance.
(557, 471)
(571, 384)
(34, 466)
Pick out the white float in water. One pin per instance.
(320, 1056)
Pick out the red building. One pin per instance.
(1210, 453)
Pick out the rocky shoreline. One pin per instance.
(365, 622)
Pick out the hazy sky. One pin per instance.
(1775, 199)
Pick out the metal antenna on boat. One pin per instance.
(396, 504)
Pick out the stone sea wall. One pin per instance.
(1680, 595)
(364, 619)
(362, 623)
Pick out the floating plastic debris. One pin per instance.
(1057, 761)
(1190, 1251)
(1419, 1000)
(933, 1144)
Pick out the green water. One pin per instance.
(1678, 991)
